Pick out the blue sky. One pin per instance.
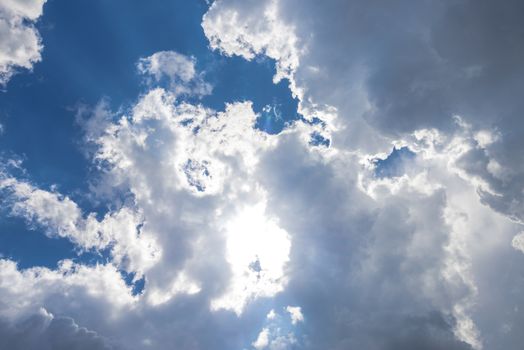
(261, 175)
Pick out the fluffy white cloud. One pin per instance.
(60, 216)
(24, 291)
(193, 221)
(262, 340)
(209, 160)
(20, 43)
(253, 28)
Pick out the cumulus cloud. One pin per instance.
(410, 75)
(195, 223)
(20, 43)
(277, 242)
(253, 28)
(397, 68)
(201, 173)
(70, 288)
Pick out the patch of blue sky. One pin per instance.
(137, 284)
(395, 163)
(29, 246)
(318, 140)
(235, 79)
(90, 52)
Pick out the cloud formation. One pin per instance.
(192, 220)
(397, 68)
(436, 77)
(250, 240)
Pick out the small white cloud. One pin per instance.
(485, 138)
(518, 242)
(296, 314)
(262, 340)
(271, 315)
(178, 70)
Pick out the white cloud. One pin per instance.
(253, 28)
(518, 242)
(201, 147)
(208, 158)
(59, 216)
(262, 340)
(168, 63)
(195, 224)
(296, 314)
(25, 291)
(179, 70)
(20, 43)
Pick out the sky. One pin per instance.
(261, 174)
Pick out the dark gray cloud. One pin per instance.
(42, 331)
(360, 268)
(414, 65)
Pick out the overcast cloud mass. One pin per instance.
(370, 196)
